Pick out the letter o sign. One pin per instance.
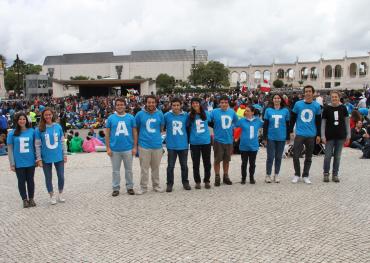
(306, 115)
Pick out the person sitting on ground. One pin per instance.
(101, 136)
(359, 136)
(75, 145)
(90, 143)
(69, 138)
(3, 144)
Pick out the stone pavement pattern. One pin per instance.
(239, 223)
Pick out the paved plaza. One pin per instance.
(322, 222)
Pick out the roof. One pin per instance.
(135, 56)
(100, 82)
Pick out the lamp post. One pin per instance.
(18, 73)
(194, 64)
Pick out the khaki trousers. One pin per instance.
(149, 158)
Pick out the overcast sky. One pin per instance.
(236, 32)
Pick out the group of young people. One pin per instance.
(127, 136)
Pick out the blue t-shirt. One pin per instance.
(23, 148)
(349, 107)
(249, 135)
(176, 134)
(364, 111)
(306, 115)
(224, 122)
(51, 143)
(121, 138)
(149, 125)
(199, 131)
(277, 123)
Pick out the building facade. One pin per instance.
(324, 74)
(146, 64)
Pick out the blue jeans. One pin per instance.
(275, 151)
(117, 159)
(183, 158)
(333, 148)
(48, 172)
(25, 177)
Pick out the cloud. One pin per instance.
(236, 32)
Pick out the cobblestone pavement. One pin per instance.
(239, 223)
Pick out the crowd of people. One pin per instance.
(137, 126)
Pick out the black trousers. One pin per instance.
(203, 150)
(25, 177)
(251, 156)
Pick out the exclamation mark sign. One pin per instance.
(336, 118)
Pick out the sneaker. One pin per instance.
(207, 185)
(217, 180)
(158, 189)
(268, 179)
(169, 188)
(295, 179)
(335, 179)
(32, 203)
(187, 186)
(53, 200)
(26, 204)
(326, 178)
(243, 181)
(276, 178)
(307, 180)
(60, 198)
(141, 191)
(226, 180)
(131, 191)
(115, 193)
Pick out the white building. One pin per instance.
(324, 74)
(147, 64)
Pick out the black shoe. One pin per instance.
(226, 180)
(251, 180)
(335, 179)
(207, 185)
(326, 178)
(198, 186)
(243, 181)
(217, 180)
(31, 203)
(115, 193)
(187, 186)
(131, 191)
(169, 188)
(26, 204)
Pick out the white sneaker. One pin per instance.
(276, 178)
(60, 198)
(268, 179)
(53, 200)
(307, 180)
(140, 191)
(295, 179)
(158, 189)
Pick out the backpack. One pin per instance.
(366, 151)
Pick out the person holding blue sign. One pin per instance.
(22, 159)
(121, 143)
(276, 133)
(306, 115)
(249, 144)
(150, 123)
(51, 149)
(177, 143)
(224, 120)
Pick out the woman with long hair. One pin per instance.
(275, 133)
(21, 153)
(51, 149)
(200, 142)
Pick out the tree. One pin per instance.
(15, 74)
(80, 77)
(165, 82)
(278, 83)
(138, 77)
(213, 74)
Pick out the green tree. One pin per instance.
(278, 83)
(80, 77)
(213, 74)
(138, 77)
(165, 82)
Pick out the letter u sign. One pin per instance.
(48, 143)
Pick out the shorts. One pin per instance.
(222, 152)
